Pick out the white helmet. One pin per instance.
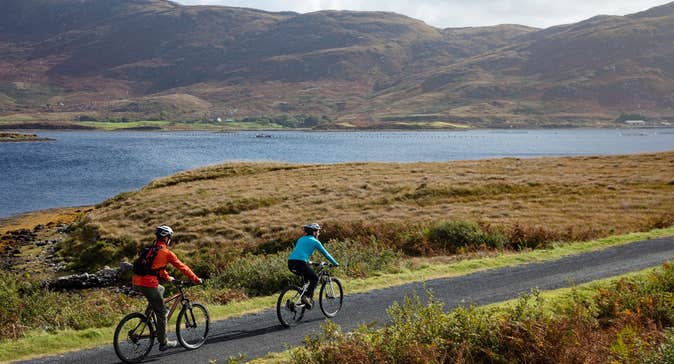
(163, 231)
(310, 228)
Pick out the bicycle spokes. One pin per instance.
(133, 338)
(329, 290)
(289, 310)
(290, 305)
(192, 326)
(331, 297)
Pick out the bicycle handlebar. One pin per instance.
(181, 283)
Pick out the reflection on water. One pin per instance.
(83, 168)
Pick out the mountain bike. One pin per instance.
(289, 307)
(135, 334)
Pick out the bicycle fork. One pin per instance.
(190, 321)
(329, 288)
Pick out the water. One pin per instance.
(84, 168)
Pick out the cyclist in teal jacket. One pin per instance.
(298, 261)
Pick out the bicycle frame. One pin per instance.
(131, 342)
(171, 302)
(324, 275)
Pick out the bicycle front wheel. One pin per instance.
(331, 297)
(134, 337)
(289, 308)
(192, 326)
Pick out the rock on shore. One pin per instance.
(105, 277)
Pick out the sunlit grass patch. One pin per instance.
(118, 125)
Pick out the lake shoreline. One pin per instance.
(20, 137)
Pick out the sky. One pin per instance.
(460, 13)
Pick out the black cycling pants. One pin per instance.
(305, 270)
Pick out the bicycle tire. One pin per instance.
(288, 308)
(134, 344)
(331, 297)
(192, 326)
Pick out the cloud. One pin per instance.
(460, 13)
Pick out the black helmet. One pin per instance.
(310, 228)
(163, 231)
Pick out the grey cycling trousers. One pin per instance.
(155, 296)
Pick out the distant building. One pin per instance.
(635, 122)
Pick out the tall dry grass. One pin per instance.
(239, 206)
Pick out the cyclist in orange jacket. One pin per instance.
(149, 285)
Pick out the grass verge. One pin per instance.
(42, 343)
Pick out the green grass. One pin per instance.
(173, 125)
(252, 125)
(432, 125)
(17, 118)
(41, 343)
(586, 290)
(163, 124)
(114, 125)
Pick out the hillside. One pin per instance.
(154, 59)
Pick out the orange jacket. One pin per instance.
(161, 260)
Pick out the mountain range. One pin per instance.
(155, 59)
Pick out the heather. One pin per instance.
(627, 321)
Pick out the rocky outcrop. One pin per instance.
(105, 277)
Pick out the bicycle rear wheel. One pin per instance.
(289, 308)
(134, 337)
(331, 297)
(192, 326)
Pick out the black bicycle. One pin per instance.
(135, 334)
(289, 307)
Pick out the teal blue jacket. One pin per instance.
(305, 246)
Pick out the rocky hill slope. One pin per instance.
(156, 59)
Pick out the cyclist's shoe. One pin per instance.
(308, 302)
(168, 345)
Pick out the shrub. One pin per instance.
(260, 275)
(257, 275)
(10, 325)
(27, 305)
(272, 246)
(86, 118)
(453, 236)
(530, 237)
(616, 325)
(386, 233)
(364, 260)
(663, 353)
(85, 250)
